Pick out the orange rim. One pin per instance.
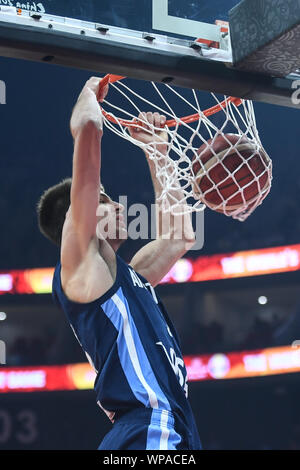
(110, 78)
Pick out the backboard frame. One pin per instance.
(79, 44)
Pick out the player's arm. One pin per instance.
(86, 129)
(174, 232)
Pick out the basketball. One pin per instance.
(230, 173)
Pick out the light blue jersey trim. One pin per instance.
(133, 358)
(140, 375)
(161, 433)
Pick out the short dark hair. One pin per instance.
(52, 208)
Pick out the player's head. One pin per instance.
(55, 202)
(52, 208)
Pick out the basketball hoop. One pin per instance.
(171, 122)
(243, 186)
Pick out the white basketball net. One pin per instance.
(175, 169)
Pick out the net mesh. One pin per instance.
(216, 161)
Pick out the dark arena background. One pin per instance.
(235, 303)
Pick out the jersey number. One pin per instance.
(177, 366)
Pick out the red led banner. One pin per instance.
(205, 268)
(28, 281)
(235, 265)
(258, 363)
(47, 378)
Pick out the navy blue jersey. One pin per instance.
(132, 345)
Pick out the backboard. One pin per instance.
(140, 15)
(173, 41)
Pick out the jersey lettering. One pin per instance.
(135, 279)
(137, 282)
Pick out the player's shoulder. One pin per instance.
(84, 279)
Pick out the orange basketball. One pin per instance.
(230, 173)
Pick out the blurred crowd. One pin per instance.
(196, 336)
(28, 351)
(195, 339)
(210, 338)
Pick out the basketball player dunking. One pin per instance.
(112, 307)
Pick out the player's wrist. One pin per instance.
(87, 124)
(86, 114)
